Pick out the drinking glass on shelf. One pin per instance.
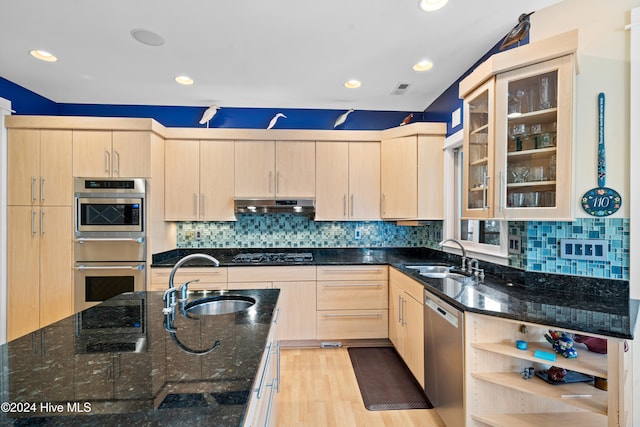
(519, 173)
(544, 93)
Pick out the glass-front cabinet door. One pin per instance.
(478, 153)
(533, 141)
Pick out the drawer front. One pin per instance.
(207, 276)
(353, 272)
(360, 294)
(410, 286)
(271, 274)
(352, 324)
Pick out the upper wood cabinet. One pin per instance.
(199, 180)
(39, 167)
(518, 137)
(117, 154)
(275, 169)
(347, 180)
(412, 177)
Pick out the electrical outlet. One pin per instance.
(358, 234)
(585, 249)
(198, 234)
(515, 243)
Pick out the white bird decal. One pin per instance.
(342, 118)
(208, 114)
(273, 121)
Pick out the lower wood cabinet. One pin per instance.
(297, 301)
(352, 302)
(40, 268)
(406, 321)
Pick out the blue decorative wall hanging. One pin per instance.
(601, 201)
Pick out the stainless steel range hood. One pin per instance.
(294, 206)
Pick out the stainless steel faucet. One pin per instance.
(185, 259)
(464, 252)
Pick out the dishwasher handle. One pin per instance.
(449, 317)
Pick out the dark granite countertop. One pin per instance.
(593, 305)
(85, 370)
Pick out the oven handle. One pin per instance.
(83, 267)
(109, 239)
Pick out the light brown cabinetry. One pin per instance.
(518, 137)
(497, 395)
(199, 180)
(412, 177)
(352, 302)
(39, 167)
(39, 229)
(117, 154)
(274, 169)
(347, 180)
(406, 321)
(297, 300)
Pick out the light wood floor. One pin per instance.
(319, 388)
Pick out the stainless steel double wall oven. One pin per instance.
(109, 240)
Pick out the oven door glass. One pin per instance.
(103, 214)
(96, 282)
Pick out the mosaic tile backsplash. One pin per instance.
(541, 246)
(296, 231)
(540, 240)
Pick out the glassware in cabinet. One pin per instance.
(478, 152)
(533, 140)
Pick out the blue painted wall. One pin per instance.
(26, 102)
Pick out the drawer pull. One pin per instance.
(353, 270)
(352, 285)
(353, 315)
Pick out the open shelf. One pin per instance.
(543, 419)
(587, 362)
(596, 402)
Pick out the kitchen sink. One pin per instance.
(220, 304)
(437, 271)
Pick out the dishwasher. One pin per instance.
(444, 359)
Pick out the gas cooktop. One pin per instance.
(273, 257)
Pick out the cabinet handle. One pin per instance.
(344, 201)
(352, 204)
(116, 163)
(270, 182)
(41, 222)
(278, 365)
(384, 209)
(195, 205)
(41, 189)
(352, 315)
(278, 182)
(351, 285)
(202, 205)
(400, 309)
(276, 317)
(404, 305)
(107, 161)
(33, 189)
(33, 222)
(261, 385)
(485, 183)
(501, 202)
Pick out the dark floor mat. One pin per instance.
(385, 381)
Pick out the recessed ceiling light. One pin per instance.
(352, 84)
(147, 37)
(424, 65)
(431, 5)
(184, 80)
(43, 55)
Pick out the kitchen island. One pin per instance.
(117, 364)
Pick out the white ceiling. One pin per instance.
(254, 53)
